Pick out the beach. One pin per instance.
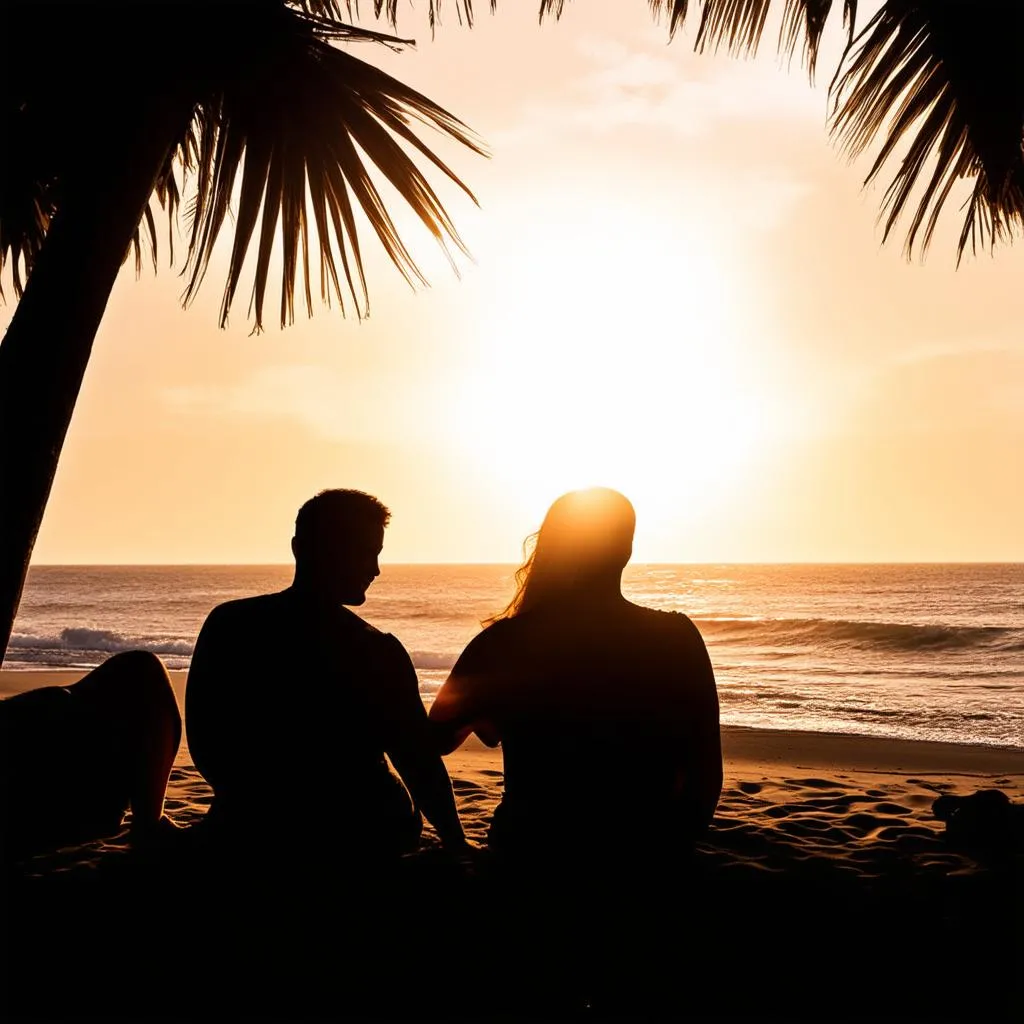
(826, 888)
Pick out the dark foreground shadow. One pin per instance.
(191, 937)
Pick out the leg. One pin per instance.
(131, 699)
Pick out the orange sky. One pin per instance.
(677, 288)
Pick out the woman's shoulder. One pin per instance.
(671, 627)
(663, 618)
(493, 639)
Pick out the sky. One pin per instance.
(677, 287)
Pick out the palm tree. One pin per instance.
(254, 100)
(945, 78)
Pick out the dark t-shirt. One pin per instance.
(600, 715)
(290, 709)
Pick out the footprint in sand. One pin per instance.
(940, 786)
(887, 808)
(838, 804)
(750, 787)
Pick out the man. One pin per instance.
(293, 700)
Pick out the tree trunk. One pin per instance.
(47, 345)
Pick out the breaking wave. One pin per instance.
(79, 645)
(432, 660)
(898, 636)
(76, 645)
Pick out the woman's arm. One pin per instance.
(461, 706)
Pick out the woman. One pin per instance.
(606, 711)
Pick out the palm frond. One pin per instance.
(945, 77)
(463, 10)
(50, 130)
(26, 208)
(303, 132)
(803, 24)
(740, 24)
(676, 10)
(949, 79)
(551, 8)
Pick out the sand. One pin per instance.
(826, 889)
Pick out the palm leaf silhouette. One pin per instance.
(946, 77)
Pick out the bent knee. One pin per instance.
(132, 680)
(139, 664)
(141, 672)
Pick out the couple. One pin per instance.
(293, 700)
(571, 672)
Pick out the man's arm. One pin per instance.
(413, 751)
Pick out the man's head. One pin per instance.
(338, 536)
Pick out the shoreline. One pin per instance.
(746, 745)
(748, 750)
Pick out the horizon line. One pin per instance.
(481, 562)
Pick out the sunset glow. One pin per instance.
(625, 365)
(676, 287)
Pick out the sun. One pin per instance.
(614, 357)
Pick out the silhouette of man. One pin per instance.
(293, 700)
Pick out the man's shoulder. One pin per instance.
(369, 638)
(359, 625)
(247, 609)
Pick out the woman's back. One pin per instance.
(614, 700)
(608, 716)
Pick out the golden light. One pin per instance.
(613, 355)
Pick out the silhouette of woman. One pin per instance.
(577, 682)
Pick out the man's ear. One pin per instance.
(295, 553)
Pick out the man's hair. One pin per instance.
(340, 509)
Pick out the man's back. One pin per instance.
(291, 703)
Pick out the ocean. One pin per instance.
(932, 652)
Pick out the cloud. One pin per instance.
(315, 397)
(674, 91)
(668, 106)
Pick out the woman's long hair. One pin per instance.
(584, 534)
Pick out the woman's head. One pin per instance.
(583, 545)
